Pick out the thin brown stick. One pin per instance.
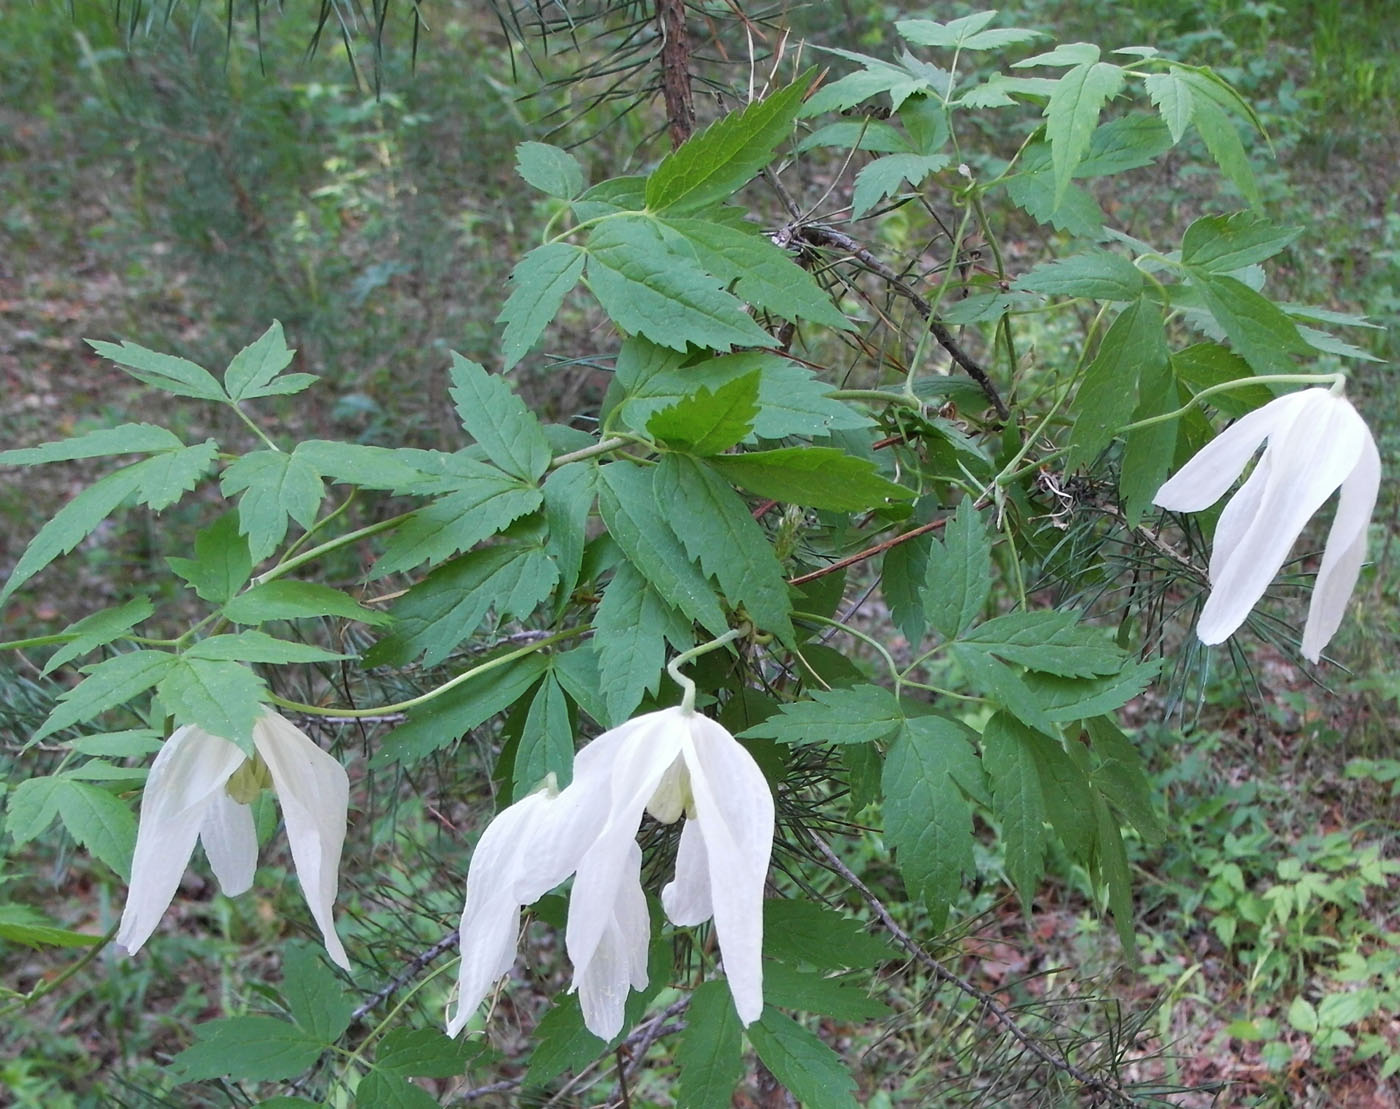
(869, 552)
(675, 70)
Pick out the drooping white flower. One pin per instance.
(672, 763)
(189, 795)
(1316, 442)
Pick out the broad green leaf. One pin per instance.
(859, 715)
(1073, 114)
(928, 821)
(710, 1052)
(498, 419)
(447, 607)
(539, 283)
(178, 376)
(424, 1053)
(1113, 868)
(1125, 143)
(719, 161)
(547, 741)
(553, 171)
(1148, 452)
(764, 275)
(485, 505)
(631, 628)
(616, 194)
(1121, 776)
(1072, 211)
(1001, 90)
(258, 646)
(569, 493)
(1054, 642)
(1065, 55)
(1258, 329)
(812, 1072)
(315, 996)
(396, 470)
(96, 630)
(818, 477)
(274, 485)
(1172, 96)
(221, 562)
(1068, 802)
(902, 573)
(1108, 395)
(580, 676)
(562, 1043)
(222, 697)
(100, 822)
(1078, 698)
(844, 997)
(168, 476)
(129, 743)
(884, 176)
(1097, 274)
(444, 719)
(251, 1048)
(628, 503)
(297, 600)
(805, 931)
(926, 120)
(1212, 105)
(1223, 244)
(386, 1090)
(865, 134)
(875, 77)
(1017, 801)
(1203, 365)
(126, 439)
(252, 372)
(708, 422)
(31, 805)
(109, 683)
(958, 573)
(652, 291)
(990, 678)
(963, 34)
(21, 924)
(726, 541)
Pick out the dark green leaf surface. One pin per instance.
(125, 439)
(424, 1053)
(315, 996)
(498, 419)
(958, 573)
(274, 485)
(253, 1048)
(1223, 244)
(810, 1070)
(174, 375)
(109, 683)
(224, 698)
(706, 422)
(804, 931)
(297, 600)
(710, 1051)
(553, 171)
(859, 715)
(485, 504)
(539, 283)
(98, 629)
(632, 626)
(1017, 800)
(547, 741)
(251, 373)
(221, 562)
(818, 477)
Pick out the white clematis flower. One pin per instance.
(1316, 442)
(671, 763)
(199, 788)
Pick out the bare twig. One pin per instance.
(675, 70)
(409, 972)
(869, 552)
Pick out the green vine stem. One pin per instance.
(674, 666)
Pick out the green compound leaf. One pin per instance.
(1053, 642)
(726, 541)
(125, 439)
(254, 369)
(166, 477)
(424, 1053)
(902, 573)
(1172, 97)
(1258, 329)
(109, 683)
(553, 171)
(297, 600)
(221, 562)
(928, 820)
(100, 822)
(562, 1043)
(1134, 345)
(628, 503)
(1213, 104)
(1018, 802)
(178, 376)
(710, 1053)
(963, 34)
(315, 997)
(843, 997)
(274, 485)
(958, 573)
(811, 1070)
(805, 932)
(708, 422)
(884, 176)
(21, 924)
(569, 493)
(221, 696)
(547, 741)
(251, 1048)
(498, 419)
(1223, 244)
(632, 626)
(818, 477)
(859, 715)
(539, 283)
(1073, 114)
(721, 159)
(1002, 685)
(1097, 274)
(386, 1090)
(31, 806)
(485, 503)
(97, 630)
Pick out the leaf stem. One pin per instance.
(329, 545)
(1337, 381)
(688, 686)
(603, 446)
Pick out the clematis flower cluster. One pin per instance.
(1316, 442)
(671, 763)
(200, 788)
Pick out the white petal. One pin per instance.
(686, 898)
(189, 770)
(314, 792)
(1238, 516)
(1344, 553)
(620, 958)
(649, 745)
(231, 842)
(734, 808)
(1203, 480)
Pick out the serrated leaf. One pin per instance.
(253, 368)
(958, 573)
(812, 1072)
(712, 165)
(1077, 698)
(498, 419)
(1258, 329)
(1017, 801)
(1065, 55)
(859, 715)
(30, 807)
(258, 646)
(1172, 96)
(547, 740)
(649, 290)
(109, 683)
(424, 1053)
(1135, 343)
(100, 822)
(631, 628)
(98, 629)
(396, 470)
(221, 563)
(842, 997)
(1223, 244)
(274, 485)
(902, 573)
(386, 1090)
(21, 924)
(539, 283)
(628, 503)
(710, 1052)
(805, 931)
(222, 697)
(553, 171)
(129, 743)
(1097, 274)
(579, 674)
(297, 600)
(168, 476)
(1212, 103)
(483, 506)
(965, 33)
(1121, 776)
(875, 77)
(864, 134)
(1113, 868)
(251, 1048)
(708, 422)
(569, 493)
(562, 1043)
(928, 821)
(1148, 452)
(726, 541)
(1127, 142)
(443, 720)
(1068, 801)
(178, 376)
(446, 608)
(1002, 685)
(884, 176)
(315, 997)
(1073, 114)
(818, 477)
(125, 439)
(1054, 642)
